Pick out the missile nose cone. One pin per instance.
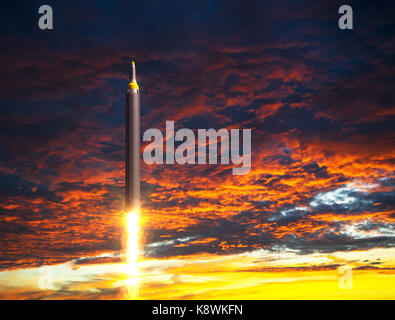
(132, 79)
(133, 72)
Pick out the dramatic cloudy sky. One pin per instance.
(319, 101)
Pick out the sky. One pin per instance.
(320, 104)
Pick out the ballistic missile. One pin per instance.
(132, 161)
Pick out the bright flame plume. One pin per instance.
(132, 253)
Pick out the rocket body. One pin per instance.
(132, 168)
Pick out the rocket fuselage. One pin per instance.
(132, 169)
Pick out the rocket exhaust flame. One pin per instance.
(132, 254)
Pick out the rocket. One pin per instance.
(132, 161)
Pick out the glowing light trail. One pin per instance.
(132, 254)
